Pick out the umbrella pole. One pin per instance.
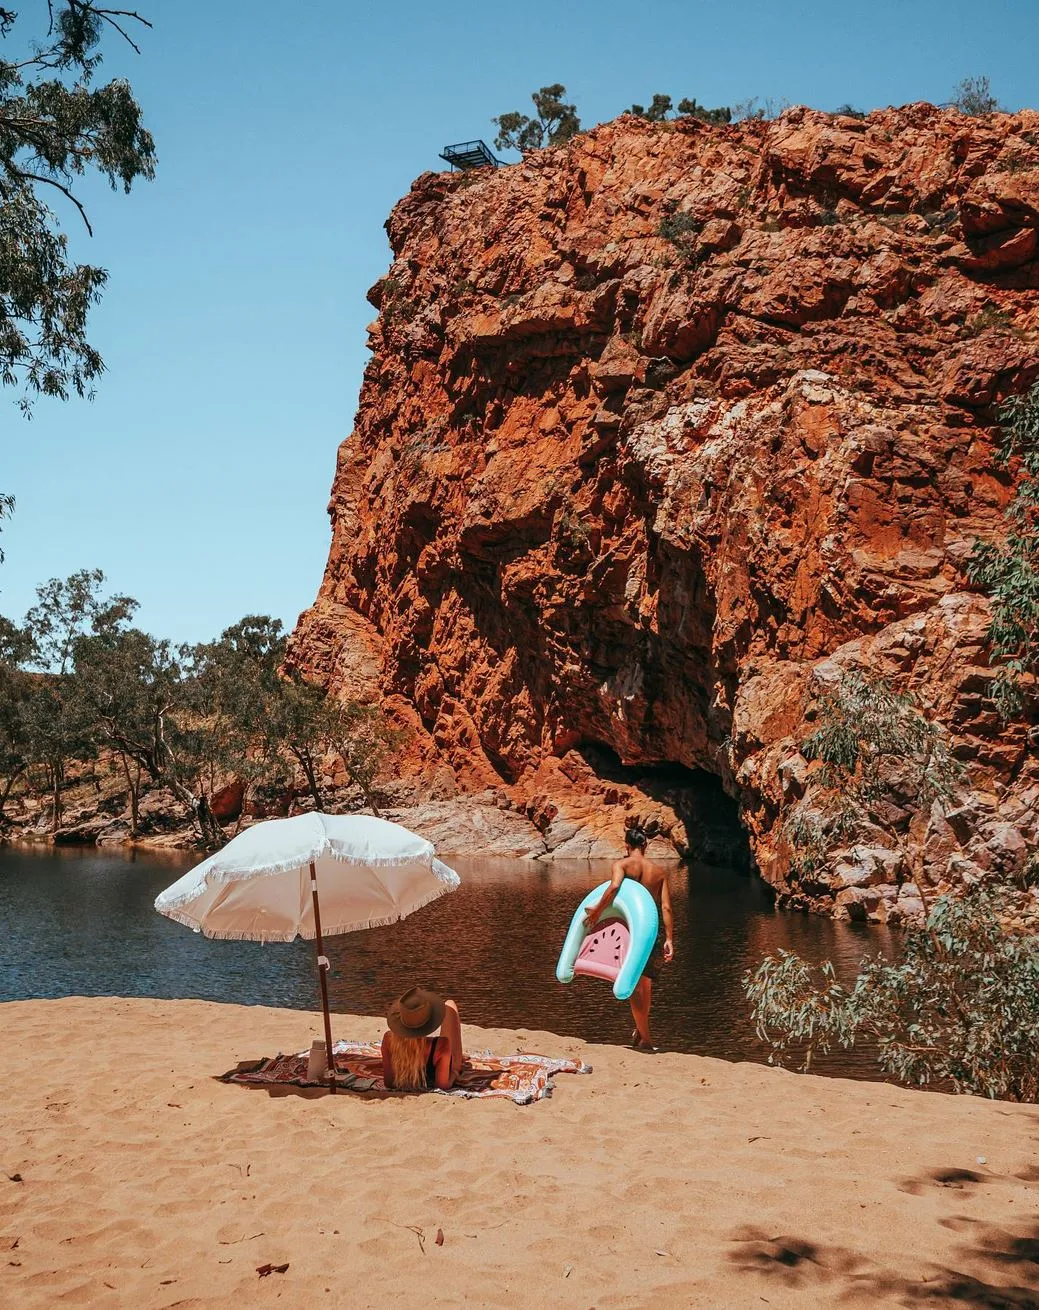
(322, 971)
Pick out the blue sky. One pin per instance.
(233, 323)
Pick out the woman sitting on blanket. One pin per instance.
(412, 1056)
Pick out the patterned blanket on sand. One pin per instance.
(522, 1077)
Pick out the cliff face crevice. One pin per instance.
(661, 428)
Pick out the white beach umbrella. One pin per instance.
(263, 885)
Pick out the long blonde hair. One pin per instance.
(408, 1056)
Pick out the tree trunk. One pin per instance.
(916, 865)
(360, 774)
(135, 799)
(246, 788)
(367, 793)
(55, 797)
(8, 785)
(211, 829)
(307, 762)
(133, 790)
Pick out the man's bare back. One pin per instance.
(640, 869)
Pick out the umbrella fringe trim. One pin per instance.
(217, 877)
(336, 929)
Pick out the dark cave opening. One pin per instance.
(709, 821)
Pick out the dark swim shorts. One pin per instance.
(656, 959)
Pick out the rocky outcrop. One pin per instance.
(663, 429)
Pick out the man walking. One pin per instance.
(654, 879)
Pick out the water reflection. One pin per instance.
(82, 923)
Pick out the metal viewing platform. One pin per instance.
(470, 154)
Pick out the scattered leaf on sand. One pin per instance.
(265, 1270)
(15, 1178)
(567, 1270)
(439, 1239)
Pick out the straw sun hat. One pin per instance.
(417, 1013)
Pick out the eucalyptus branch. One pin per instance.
(53, 130)
(50, 181)
(109, 16)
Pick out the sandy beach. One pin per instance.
(129, 1176)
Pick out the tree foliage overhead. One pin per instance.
(57, 125)
(553, 124)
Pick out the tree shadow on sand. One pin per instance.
(997, 1268)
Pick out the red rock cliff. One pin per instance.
(616, 499)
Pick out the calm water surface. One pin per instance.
(82, 923)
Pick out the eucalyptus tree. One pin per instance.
(16, 689)
(264, 723)
(58, 721)
(130, 684)
(150, 703)
(553, 123)
(238, 684)
(660, 110)
(974, 97)
(269, 721)
(366, 741)
(300, 724)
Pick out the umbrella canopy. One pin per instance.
(263, 885)
(257, 888)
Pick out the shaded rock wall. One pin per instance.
(617, 497)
